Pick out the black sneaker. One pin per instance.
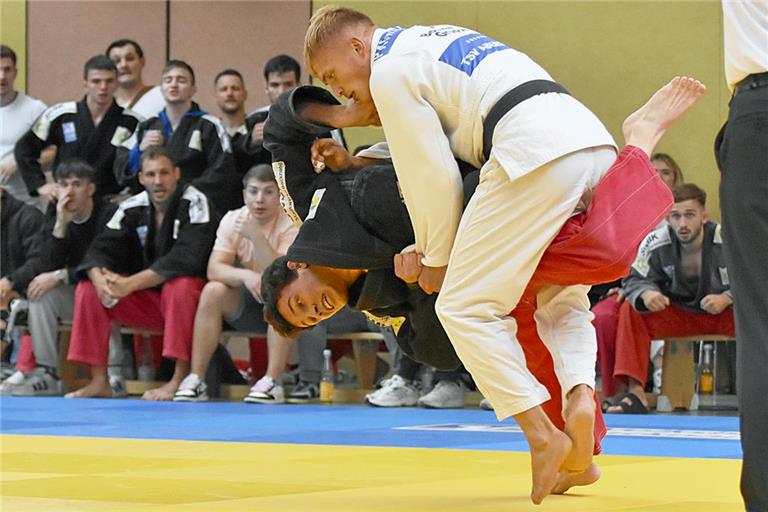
(303, 393)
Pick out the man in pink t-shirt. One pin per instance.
(247, 241)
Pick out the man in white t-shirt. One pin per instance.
(18, 113)
(247, 241)
(132, 93)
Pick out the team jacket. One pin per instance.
(69, 127)
(433, 86)
(658, 267)
(357, 222)
(20, 250)
(179, 247)
(68, 252)
(199, 146)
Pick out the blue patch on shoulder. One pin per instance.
(386, 42)
(467, 52)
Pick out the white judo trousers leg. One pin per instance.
(503, 233)
(564, 322)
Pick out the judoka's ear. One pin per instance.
(295, 265)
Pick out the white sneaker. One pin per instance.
(191, 389)
(38, 382)
(485, 405)
(394, 392)
(446, 394)
(266, 391)
(14, 381)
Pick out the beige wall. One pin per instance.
(13, 33)
(210, 35)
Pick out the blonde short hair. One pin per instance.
(327, 22)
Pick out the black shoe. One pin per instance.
(303, 393)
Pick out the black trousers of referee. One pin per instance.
(742, 153)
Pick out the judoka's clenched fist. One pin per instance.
(408, 266)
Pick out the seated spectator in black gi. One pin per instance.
(146, 269)
(231, 94)
(90, 129)
(70, 227)
(132, 93)
(20, 226)
(282, 73)
(196, 141)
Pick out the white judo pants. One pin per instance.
(503, 233)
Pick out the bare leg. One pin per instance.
(645, 127)
(278, 349)
(98, 387)
(549, 448)
(167, 390)
(217, 300)
(580, 427)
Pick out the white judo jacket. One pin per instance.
(433, 86)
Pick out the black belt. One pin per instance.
(509, 101)
(753, 81)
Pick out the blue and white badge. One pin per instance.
(70, 134)
(468, 51)
(142, 231)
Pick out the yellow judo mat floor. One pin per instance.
(76, 473)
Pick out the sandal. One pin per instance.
(630, 404)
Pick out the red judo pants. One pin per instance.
(592, 248)
(172, 311)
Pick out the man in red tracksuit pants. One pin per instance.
(146, 270)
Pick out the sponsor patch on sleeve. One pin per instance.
(120, 136)
(196, 141)
(69, 131)
(316, 198)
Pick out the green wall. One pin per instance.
(610, 54)
(13, 32)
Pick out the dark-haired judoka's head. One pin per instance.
(298, 296)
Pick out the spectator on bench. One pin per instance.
(91, 129)
(20, 225)
(70, 227)
(678, 286)
(145, 270)
(248, 239)
(195, 140)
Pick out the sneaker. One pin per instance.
(303, 393)
(191, 389)
(38, 382)
(485, 405)
(8, 385)
(6, 370)
(117, 384)
(394, 392)
(446, 394)
(265, 391)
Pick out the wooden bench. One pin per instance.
(679, 375)
(365, 348)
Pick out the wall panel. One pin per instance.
(213, 36)
(63, 35)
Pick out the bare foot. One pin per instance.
(546, 461)
(645, 127)
(567, 480)
(580, 427)
(94, 389)
(164, 392)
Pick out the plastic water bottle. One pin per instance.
(706, 379)
(326, 379)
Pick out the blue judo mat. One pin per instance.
(353, 425)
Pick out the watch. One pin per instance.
(62, 275)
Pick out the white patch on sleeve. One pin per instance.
(316, 198)
(724, 276)
(139, 200)
(117, 219)
(718, 236)
(120, 136)
(176, 226)
(196, 141)
(199, 211)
